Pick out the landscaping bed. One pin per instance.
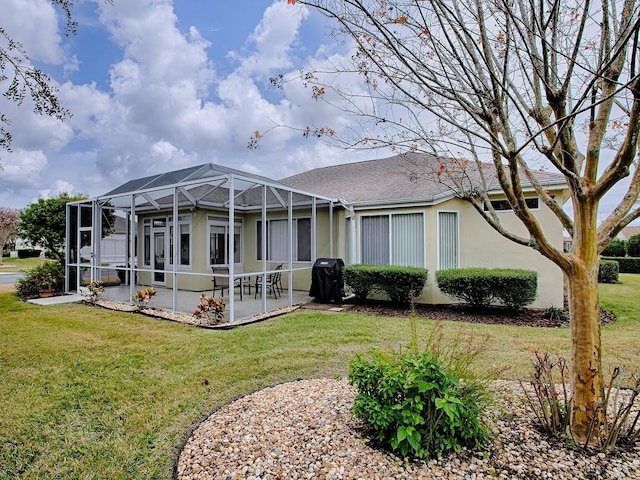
(531, 317)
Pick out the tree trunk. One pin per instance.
(586, 352)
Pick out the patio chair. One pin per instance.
(273, 279)
(278, 266)
(221, 281)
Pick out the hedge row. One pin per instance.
(29, 252)
(626, 264)
(480, 287)
(397, 282)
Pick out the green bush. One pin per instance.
(399, 283)
(608, 271)
(46, 276)
(29, 253)
(6, 252)
(411, 404)
(617, 248)
(626, 264)
(633, 245)
(480, 287)
(361, 278)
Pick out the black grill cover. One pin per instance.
(327, 284)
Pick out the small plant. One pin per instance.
(95, 289)
(45, 277)
(142, 297)
(421, 403)
(556, 313)
(209, 309)
(551, 404)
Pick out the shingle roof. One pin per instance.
(397, 179)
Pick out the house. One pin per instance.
(393, 210)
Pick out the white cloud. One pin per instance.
(33, 23)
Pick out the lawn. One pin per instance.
(88, 393)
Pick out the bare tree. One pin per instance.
(9, 218)
(519, 85)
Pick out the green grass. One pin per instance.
(87, 393)
(16, 265)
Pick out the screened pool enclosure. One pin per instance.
(180, 230)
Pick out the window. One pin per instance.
(278, 240)
(448, 240)
(146, 247)
(503, 205)
(183, 239)
(218, 241)
(394, 239)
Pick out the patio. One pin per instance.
(187, 300)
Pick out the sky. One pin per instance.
(158, 85)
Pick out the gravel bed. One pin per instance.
(306, 430)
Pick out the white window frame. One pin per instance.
(440, 267)
(218, 221)
(390, 215)
(175, 234)
(295, 249)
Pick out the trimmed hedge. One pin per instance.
(480, 287)
(608, 271)
(626, 264)
(29, 252)
(397, 282)
(617, 248)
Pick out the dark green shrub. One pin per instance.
(361, 278)
(6, 252)
(480, 287)
(633, 245)
(626, 264)
(28, 253)
(399, 283)
(47, 276)
(556, 313)
(413, 405)
(608, 271)
(617, 248)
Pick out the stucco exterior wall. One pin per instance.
(481, 246)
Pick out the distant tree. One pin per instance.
(633, 245)
(617, 248)
(9, 218)
(44, 223)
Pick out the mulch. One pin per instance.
(531, 317)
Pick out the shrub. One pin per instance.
(95, 289)
(413, 405)
(142, 297)
(480, 287)
(617, 248)
(209, 309)
(28, 253)
(633, 245)
(626, 264)
(399, 283)
(361, 278)
(46, 276)
(556, 313)
(6, 252)
(608, 271)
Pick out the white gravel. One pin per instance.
(306, 430)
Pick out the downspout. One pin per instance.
(352, 215)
